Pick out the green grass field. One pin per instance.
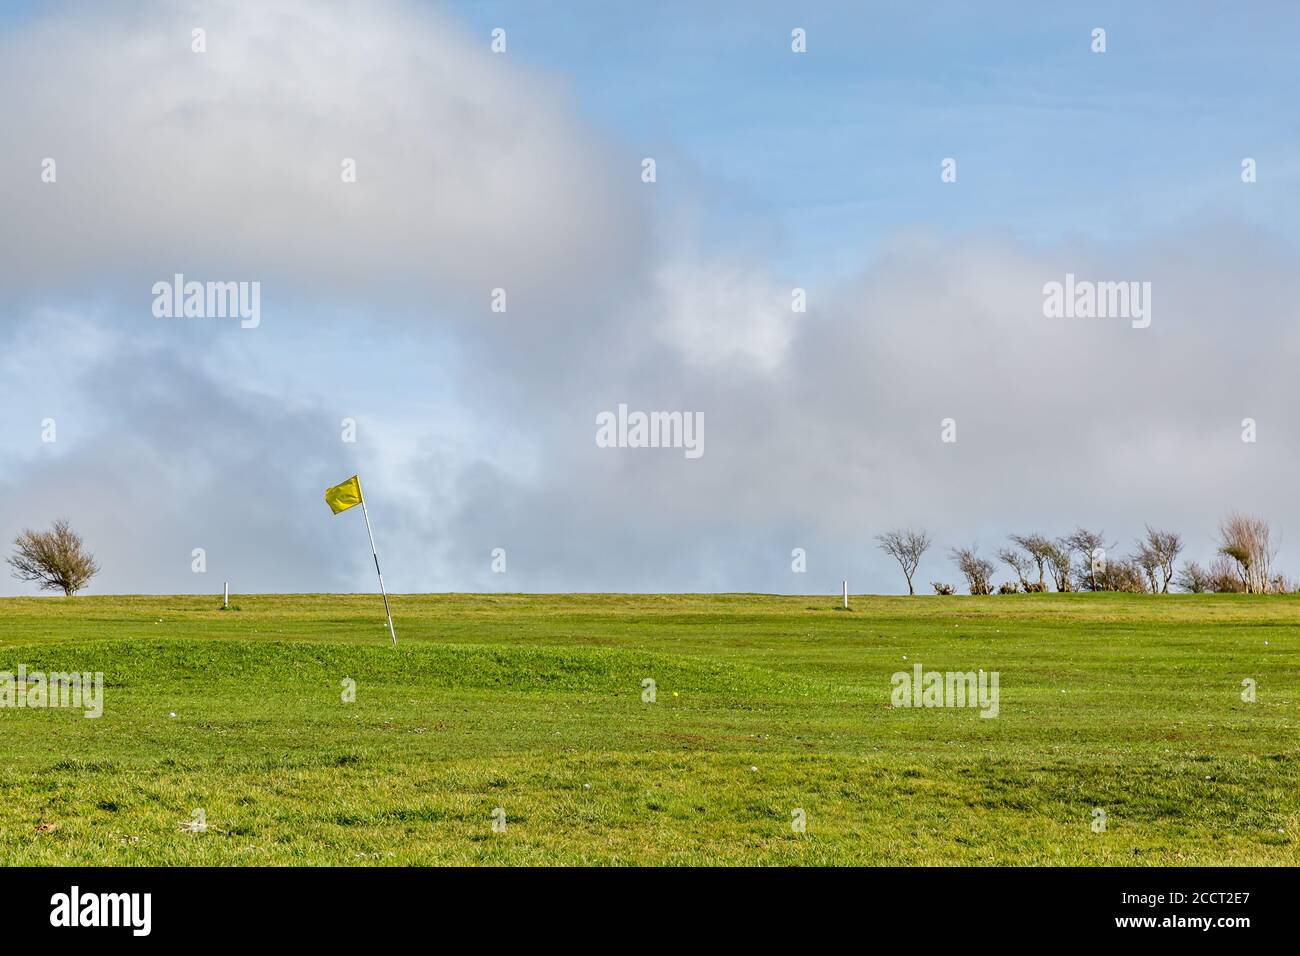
(764, 705)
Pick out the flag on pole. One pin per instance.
(348, 495)
(344, 496)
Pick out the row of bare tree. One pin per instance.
(1083, 561)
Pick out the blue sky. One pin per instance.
(829, 153)
(776, 171)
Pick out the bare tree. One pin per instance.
(1121, 574)
(1039, 548)
(1060, 562)
(1193, 578)
(1163, 548)
(1225, 578)
(905, 546)
(1088, 543)
(1020, 563)
(56, 559)
(1246, 539)
(1147, 560)
(975, 569)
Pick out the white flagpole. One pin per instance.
(377, 571)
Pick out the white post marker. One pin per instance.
(377, 571)
(846, 595)
(226, 602)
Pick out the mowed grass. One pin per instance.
(765, 705)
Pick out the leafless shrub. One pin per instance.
(1019, 562)
(905, 546)
(1193, 578)
(940, 588)
(1225, 577)
(1246, 540)
(1010, 587)
(1148, 562)
(1120, 574)
(1060, 563)
(976, 570)
(57, 559)
(1160, 551)
(1039, 549)
(1087, 544)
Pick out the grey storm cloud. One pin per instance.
(172, 461)
(822, 428)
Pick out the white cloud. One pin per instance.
(822, 428)
(471, 173)
(718, 312)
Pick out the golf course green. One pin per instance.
(651, 730)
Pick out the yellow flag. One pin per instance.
(344, 496)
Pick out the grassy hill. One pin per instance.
(764, 705)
